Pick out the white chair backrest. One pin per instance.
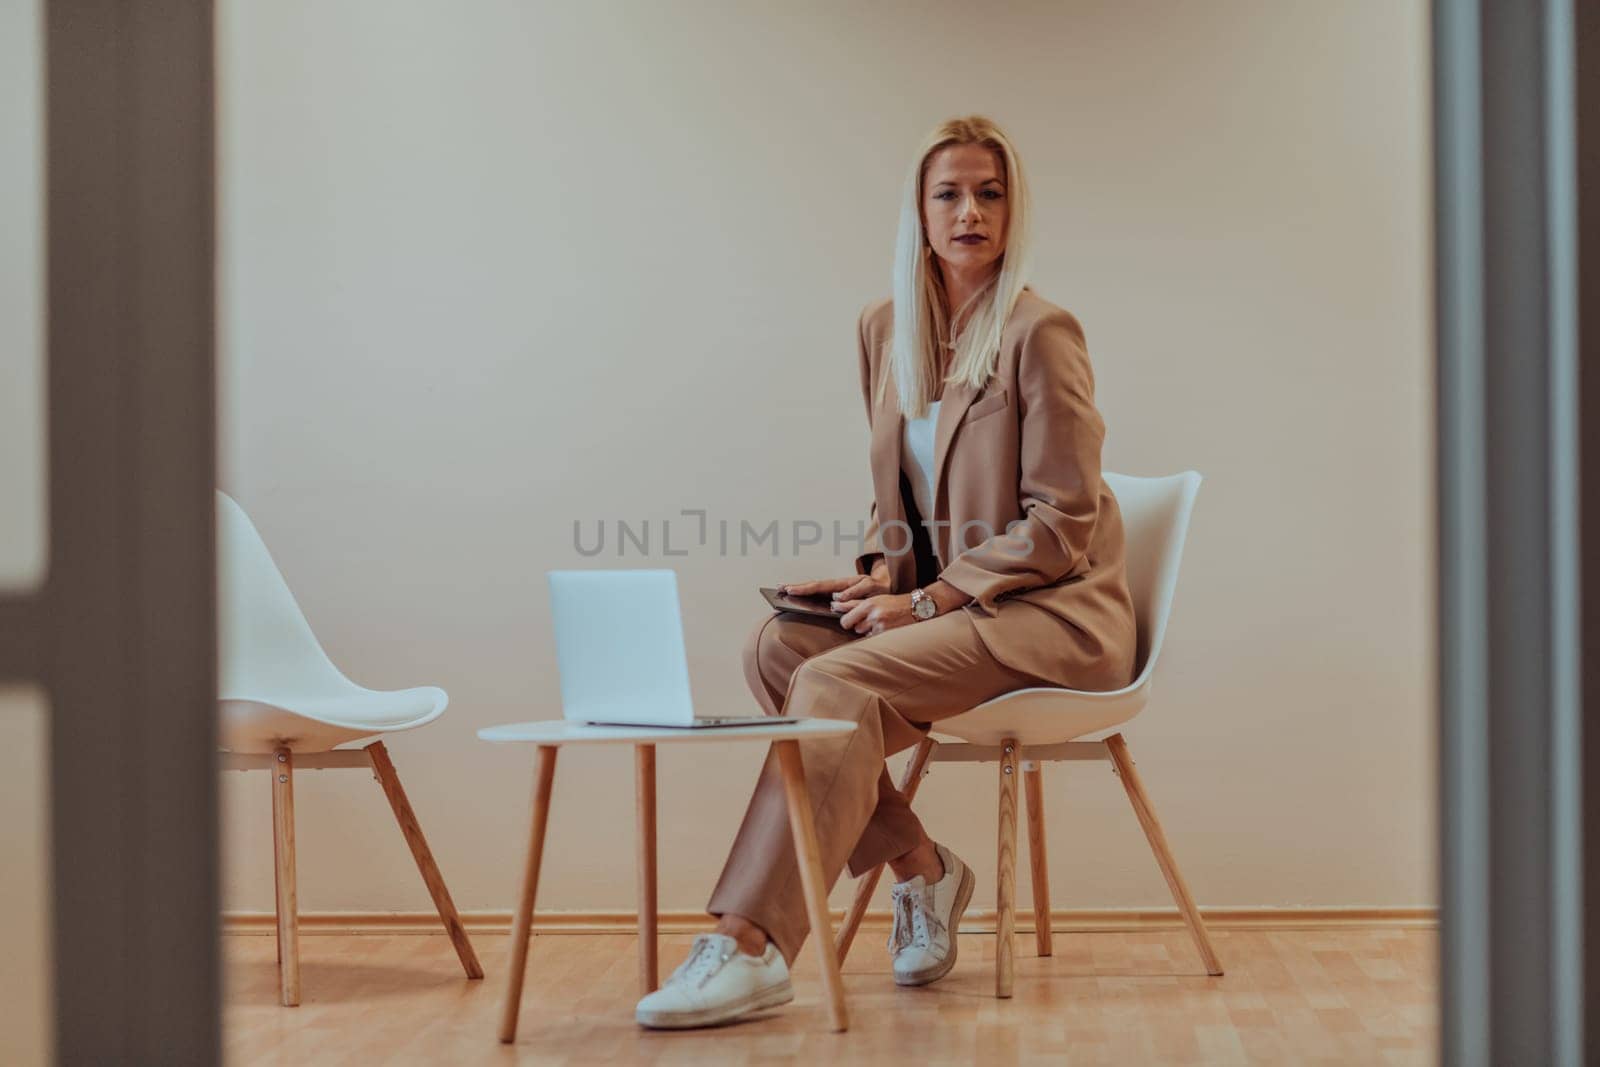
(265, 645)
(1155, 519)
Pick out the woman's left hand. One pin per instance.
(876, 614)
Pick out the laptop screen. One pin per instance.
(619, 644)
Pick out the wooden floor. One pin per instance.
(1337, 996)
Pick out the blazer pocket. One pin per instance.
(987, 406)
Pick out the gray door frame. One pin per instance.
(121, 634)
(1510, 666)
(1586, 79)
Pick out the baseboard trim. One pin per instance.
(977, 920)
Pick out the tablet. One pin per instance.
(820, 604)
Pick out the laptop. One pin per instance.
(619, 647)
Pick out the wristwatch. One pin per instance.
(922, 605)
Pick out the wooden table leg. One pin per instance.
(804, 831)
(522, 924)
(869, 881)
(411, 830)
(644, 768)
(288, 901)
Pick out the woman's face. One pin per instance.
(965, 209)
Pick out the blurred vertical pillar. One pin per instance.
(1586, 71)
(122, 632)
(1510, 672)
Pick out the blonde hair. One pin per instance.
(921, 318)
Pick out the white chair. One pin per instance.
(285, 705)
(1034, 726)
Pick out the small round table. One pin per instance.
(784, 737)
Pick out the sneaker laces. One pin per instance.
(915, 924)
(704, 961)
(900, 933)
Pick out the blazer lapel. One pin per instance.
(887, 437)
(957, 398)
(888, 434)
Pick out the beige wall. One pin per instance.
(492, 267)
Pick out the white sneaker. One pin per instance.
(716, 984)
(923, 940)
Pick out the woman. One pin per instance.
(980, 398)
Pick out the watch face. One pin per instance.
(924, 608)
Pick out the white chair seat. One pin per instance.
(1043, 716)
(278, 688)
(316, 723)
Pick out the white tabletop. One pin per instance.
(562, 732)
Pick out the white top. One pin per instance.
(916, 454)
(562, 732)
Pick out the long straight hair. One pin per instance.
(921, 311)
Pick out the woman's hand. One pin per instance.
(876, 614)
(843, 589)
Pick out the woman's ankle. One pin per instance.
(922, 860)
(751, 939)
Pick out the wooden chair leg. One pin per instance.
(803, 828)
(1033, 784)
(383, 770)
(1158, 844)
(277, 880)
(644, 766)
(522, 924)
(1006, 881)
(287, 899)
(868, 882)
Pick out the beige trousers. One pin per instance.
(892, 685)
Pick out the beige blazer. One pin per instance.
(1023, 522)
